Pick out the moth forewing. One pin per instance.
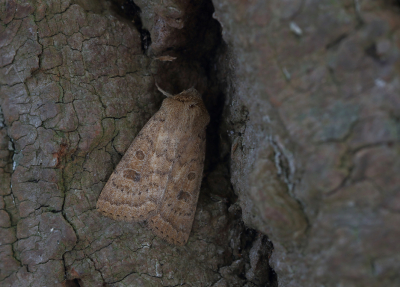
(159, 177)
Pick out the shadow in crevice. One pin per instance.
(129, 10)
(196, 54)
(73, 283)
(393, 3)
(123, 9)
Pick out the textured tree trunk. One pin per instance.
(300, 186)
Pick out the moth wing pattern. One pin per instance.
(159, 177)
(174, 218)
(129, 194)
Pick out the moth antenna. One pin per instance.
(168, 95)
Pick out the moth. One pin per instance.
(158, 179)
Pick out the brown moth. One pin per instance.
(158, 179)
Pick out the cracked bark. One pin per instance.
(77, 84)
(302, 145)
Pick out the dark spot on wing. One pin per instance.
(191, 176)
(132, 175)
(139, 155)
(183, 195)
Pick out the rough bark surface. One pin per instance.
(313, 106)
(303, 144)
(75, 88)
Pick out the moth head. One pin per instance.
(190, 100)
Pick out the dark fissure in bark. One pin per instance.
(73, 283)
(131, 11)
(200, 53)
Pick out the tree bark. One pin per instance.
(302, 148)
